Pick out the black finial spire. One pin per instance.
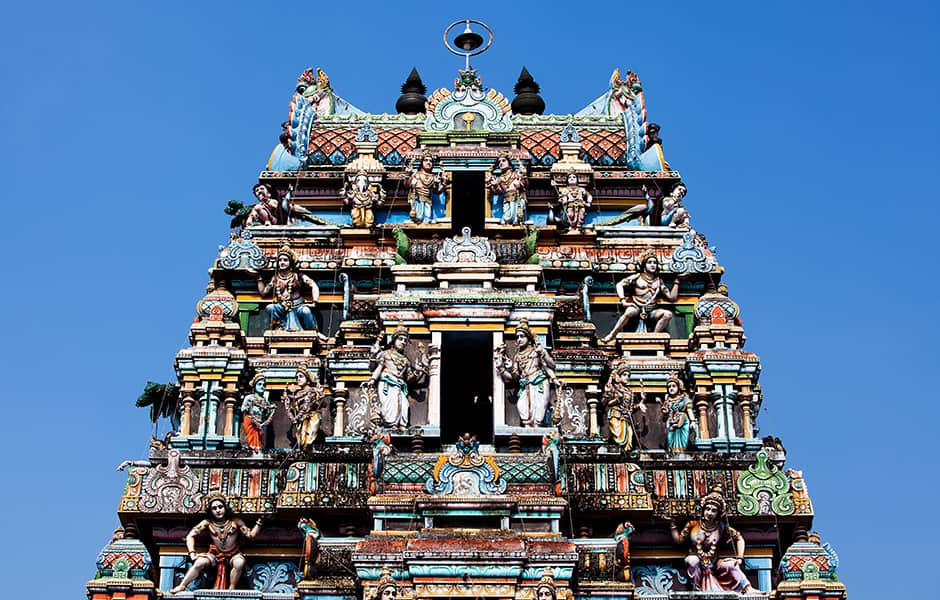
(527, 100)
(412, 100)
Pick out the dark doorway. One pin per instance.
(467, 208)
(467, 386)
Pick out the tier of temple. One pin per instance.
(465, 350)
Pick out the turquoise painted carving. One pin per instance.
(764, 490)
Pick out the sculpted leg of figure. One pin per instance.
(237, 565)
(198, 566)
(277, 314)
(305, 316)
(628, 313)
(662, 317)
(694, 567)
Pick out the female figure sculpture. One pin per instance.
(423, 185)
(705, 535)
(532, 367)
(361, 197)
(224, 551)
(390, 378)
(509, 189)
(677, 413)
(302, 400)
(289, 312)
(257, 413)
(621, 402)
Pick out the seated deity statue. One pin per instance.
(267, 211)
(303, 400)
(361, 197)
(647, 287)
(674, 214)
(705, 536)
(575, 200)
(423, 186)
(225, 532)
(289, 312)
(391, 376)
(257, 413)
(508, 190)
(533, 369)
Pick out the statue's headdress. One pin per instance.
(286, 250)
(674, 376)
(401, 330)
(303, 369)
(523, 326)
(714, 498)
(548, 580)
(645, 256)
(254, 380)
(385, 580)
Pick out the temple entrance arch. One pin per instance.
(466, 385)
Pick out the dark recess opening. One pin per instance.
(466, 386)
(467, 207)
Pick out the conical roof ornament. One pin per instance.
(412, 100)
(527, 100)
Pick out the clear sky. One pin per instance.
(806, 133)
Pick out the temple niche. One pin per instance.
(465, 350)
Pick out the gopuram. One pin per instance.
(465, 350)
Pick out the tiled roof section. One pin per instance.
(336, 146)
(599, 147)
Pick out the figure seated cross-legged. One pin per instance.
(705, 535)
(224, 551)
(647, 287)
(289, 312)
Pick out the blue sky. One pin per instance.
(805, 132)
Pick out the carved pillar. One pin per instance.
(592, 397)
(340, 395)
(434, 382)
(186, 419)
(745, 399)
(701, 408)
(228, 429)
(499, 388)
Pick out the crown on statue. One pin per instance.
(286, 250)
(401, 330)
(714, 498)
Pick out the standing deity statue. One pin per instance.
(289, 312)
(678, 415)
(621, 402)
(575, 200)
(622, 555)
(257, 413)
(361, 196)
(647, 287)
(705, 535)
(423, 185)
(674, 214)
(308, 527)
(533, 369)
(224, 551)
(389, 381)
(508, 190)
(267, 211)
(303, 400)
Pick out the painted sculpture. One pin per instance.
(267, 211)
(289, 312)
(622, 556)
(674, 214)
(389, 381)
(647, 287)
(677, 415)
(386, 588)
(533, 369)
(508, 190)
(308, 527)
(546, 589)
(621, 403)
(257, 413)
(361, 197)
(705, 536)
(575, 200)
(224, 552)
(303, 400)
(425, 186)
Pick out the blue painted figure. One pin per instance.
(508, 191)
(426, 190)
(288, 311)
(677, 412)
